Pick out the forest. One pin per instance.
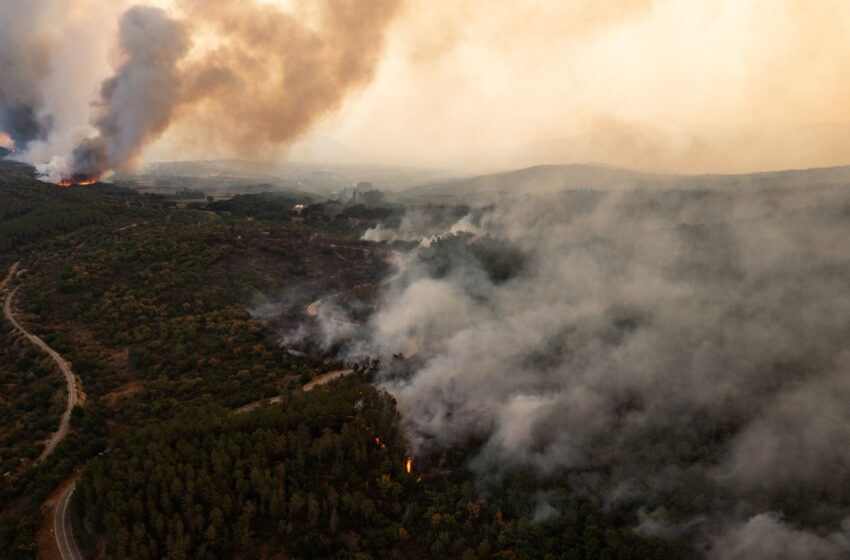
(174, 317)
(152, 304)
(423, 279)
(320, 475)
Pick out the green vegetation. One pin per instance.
(264, 206)
(22, 496)
(308, 478)
(498, 259)
(33, 211)
(140, 304)
(150, 304)
(32, 400)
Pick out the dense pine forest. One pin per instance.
(321, 475)
(151, 304)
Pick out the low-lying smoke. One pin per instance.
(682, 352)
(24, 64)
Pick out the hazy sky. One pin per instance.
(681, 85)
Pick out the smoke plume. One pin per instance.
(262, 73)
(24, 64)
(271, 75)
(260, 77)
(136, 104)
(677, 350)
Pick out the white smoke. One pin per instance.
(53, 171)
(237, 91)
(766, 537)
(137, 104)
(690, 344)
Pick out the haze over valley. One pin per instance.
(406, 279)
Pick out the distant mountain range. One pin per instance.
(555, 178)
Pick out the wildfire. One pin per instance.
(74, 183)
(408, 465)
(380, 443)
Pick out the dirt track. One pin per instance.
(73, 388)
(12, 270)
(327, 378)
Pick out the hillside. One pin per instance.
(160, 310)
(554, 178)
(175, 318)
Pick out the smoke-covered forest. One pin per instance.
(154, 306)
(294, 279)
(678, 351)
(624, 373)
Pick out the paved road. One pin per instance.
(64, 366)
(62, 529)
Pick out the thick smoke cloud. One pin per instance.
(258, 78)
(24, 64)
(137, 104)
(262, 73)
(245, 77)
(681, 351)
(271, 75)
(764, 537)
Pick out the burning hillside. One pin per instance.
(567, 332)
(81, 181)
(248, 93)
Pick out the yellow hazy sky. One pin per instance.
(683, 85)
(670, 85)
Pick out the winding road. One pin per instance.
(62, 529)
(12, 270)
(73, 388)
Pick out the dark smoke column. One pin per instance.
(271, 77)
(24, 63)
(137, 103)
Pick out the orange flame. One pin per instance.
(72, 183)
(380, 443)
(408, 466)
